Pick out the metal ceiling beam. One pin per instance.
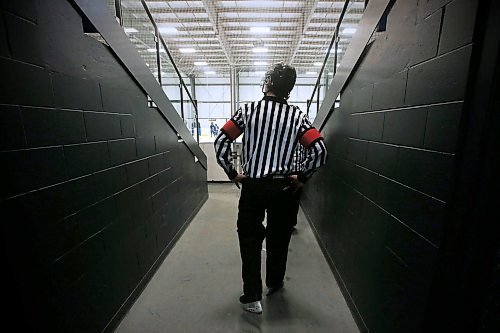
(211, 8)
(278, 10)
(233, 29)
(249, 21)
(238, 10)
(247, 39)
(174, 10)
(308, 11)
(281, 36)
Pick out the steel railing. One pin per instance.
(185, 105)
(333, 56)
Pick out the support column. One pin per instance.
(192, 84)
(234, 82)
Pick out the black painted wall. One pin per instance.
(379, 206)
(95, 185)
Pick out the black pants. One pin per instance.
(296, 203)
(258, 197)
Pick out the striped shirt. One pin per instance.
(299, 157)
(272, 131)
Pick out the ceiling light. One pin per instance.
(157, 4)
(260, 63)
(130, 30)
(210, 72)
(153, 50)
(260, 30)
(311, 73)
(168, 30)
(332, 51)
(187, 50)
(349, 30)
(318, 64)
(200, 63)
(259, 50)
(258, 73)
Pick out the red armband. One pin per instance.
(231, 130)
(309, 137)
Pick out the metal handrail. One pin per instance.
(372, 14)
(158, 35)
(159, 39)
(334, 40)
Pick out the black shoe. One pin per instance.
(274, 289)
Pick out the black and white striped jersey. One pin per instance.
(299, 157)
(272, 131)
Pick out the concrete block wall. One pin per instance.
(379, 205)
(95, 185)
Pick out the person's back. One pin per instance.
(271, 130)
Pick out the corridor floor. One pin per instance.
(196, 288)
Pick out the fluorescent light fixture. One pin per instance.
(130, 30)
(349, 30)
(258, 73)
(210, 72)
(157, 5)
(332, 51)
(168, 30)
(153, 50)
(259, 50)
(187, 50)
(311, 73)
(260, 63)
(260, 30)
(200, 63)
(318, 64)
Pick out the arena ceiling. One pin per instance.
(208, 37)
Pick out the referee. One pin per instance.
(272, 130)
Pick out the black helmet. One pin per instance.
(280, 79)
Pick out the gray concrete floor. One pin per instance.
(196, 288)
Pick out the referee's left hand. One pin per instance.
(239, 177)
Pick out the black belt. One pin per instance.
(276, 177)
(272, 177)
(270, 184)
